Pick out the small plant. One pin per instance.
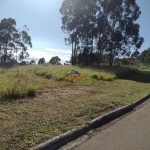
(95, 76)
(2, 70)
(31, 91)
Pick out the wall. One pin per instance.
(8, 64)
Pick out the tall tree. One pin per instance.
(11, 39)
(79, 22)
(145, 56)
(32, 62)
(23, 54)
(135, 55)
(123, 32)
(41, 61)
(55, 60)
(112, 22)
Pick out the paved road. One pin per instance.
(132, 132)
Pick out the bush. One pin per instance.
(15, 89)
(95, 76)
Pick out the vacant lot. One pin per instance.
(37, 103)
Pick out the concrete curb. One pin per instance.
(67, 137)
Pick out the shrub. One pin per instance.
(95, 76)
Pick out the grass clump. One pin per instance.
(26, 81)
(60, 73)
(51, 72)
(142, 68)
(14, 89)
(104, 76)
(95, 76)
(119, 71)
(2, 70)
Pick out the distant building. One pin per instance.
(129, 61)
(67, 63)
(123, 61)
(137, 63)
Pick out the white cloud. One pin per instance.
(58, 51)
(38, 43)
(48, 53)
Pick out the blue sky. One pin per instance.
(43, 19)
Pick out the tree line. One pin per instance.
(101, 27)
(98, 30)
(54, 61)
(13, 40)
(85, 58)
(144, 56)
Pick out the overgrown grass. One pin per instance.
(14, 84)
(12, 89)
(60, 73)
(143, 68)
(26, 81)
(59, 105)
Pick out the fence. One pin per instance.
(8, 64)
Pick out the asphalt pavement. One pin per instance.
(131, 132)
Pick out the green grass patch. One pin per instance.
(59, 73)
(58, 106)
(26, 81)
(143, 68)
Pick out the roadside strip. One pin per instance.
(69, 136)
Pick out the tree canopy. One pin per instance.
(145, 56)
(41, 61)
(13, 40)
(135, 55)
(102, 26)
(32, 62)
(55, 60)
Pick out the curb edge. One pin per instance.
(69, 136)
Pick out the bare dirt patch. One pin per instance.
(66, 92)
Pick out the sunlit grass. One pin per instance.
(26, 81)
(143, 68)
(37, 103)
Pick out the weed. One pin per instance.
(95, 76)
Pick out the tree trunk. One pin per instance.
(99, 52)
(5, 53)
(111, 55)
(75, 49)
(72, 54)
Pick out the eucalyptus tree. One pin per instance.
(145, 56)
(121, 32)
(23, 41)
(32, 62)
(11, 39)
(41, 61)
(112, 22)
(7, 33)
(23, 54)
(135, 55)
(79, 22)
(67, 10)
(55, 60)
